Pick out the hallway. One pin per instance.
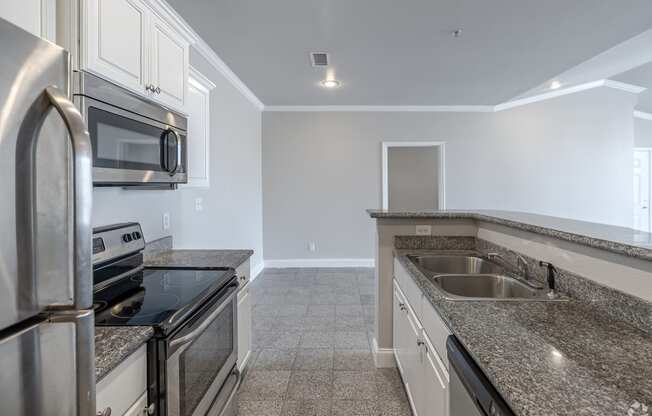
(311, 356)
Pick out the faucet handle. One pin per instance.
(552, 271)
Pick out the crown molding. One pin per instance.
(168, 13)
(196, 76)
(643, 115)
(634, 89)
(383, 108)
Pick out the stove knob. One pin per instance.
(136, 235)
(126, 238)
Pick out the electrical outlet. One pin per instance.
(424, 230)
(312, 246)
(199, 204)
(166, 221)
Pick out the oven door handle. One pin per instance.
(232, 290)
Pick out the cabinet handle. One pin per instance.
(243, 278)
(149, 410)
(420, 343)
(158, 90)
(105, 412)
(402, 306)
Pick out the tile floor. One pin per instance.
(311, 348)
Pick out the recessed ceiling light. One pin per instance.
(330, 83)
(555, 85)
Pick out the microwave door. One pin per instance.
(37, 246)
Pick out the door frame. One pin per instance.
(649, 151)
(442, 168)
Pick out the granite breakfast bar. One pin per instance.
(589, 355)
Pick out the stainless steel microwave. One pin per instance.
(136, 142)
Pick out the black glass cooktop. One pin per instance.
(158, 297)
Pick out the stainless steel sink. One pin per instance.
(487, 287)
(470, 277)
(452, 264)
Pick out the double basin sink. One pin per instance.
(470, 277)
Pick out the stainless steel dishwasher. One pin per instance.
(471, 393)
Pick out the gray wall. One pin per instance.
(570, 156)
(412, 177)
(232, 215)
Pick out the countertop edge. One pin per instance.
(616, 247)
(128, 340)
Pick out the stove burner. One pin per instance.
(128, 309)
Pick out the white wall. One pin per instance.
(643, 132)
(232, 215)
(570, 156)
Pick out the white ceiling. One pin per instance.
(389, 52)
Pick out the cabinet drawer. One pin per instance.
(124, 385)
(435, 329)
(408, 287)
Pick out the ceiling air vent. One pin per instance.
(319, 58)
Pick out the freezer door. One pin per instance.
(44, 228)
(45, 368)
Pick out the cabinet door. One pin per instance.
(407, 332)
(435, 383)
(244, 327)
(35, 16)
(400, 329)
(115, 41)
(169, 65)
(198, 109)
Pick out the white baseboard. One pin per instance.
(256, 270)
(383, 357)
(282, 263)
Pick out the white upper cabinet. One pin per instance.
(198, 107)
(127, 42)
(169, 64)
(115, 40)
(35, 16)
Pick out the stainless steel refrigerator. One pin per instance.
(46, 317)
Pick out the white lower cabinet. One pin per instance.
(244, 327)
(244, 315)
(124, 389)
(423, 368)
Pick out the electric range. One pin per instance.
(193, 311)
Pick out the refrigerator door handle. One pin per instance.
(82, 281)
(83, 190)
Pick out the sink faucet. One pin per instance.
(521, 265)
(552, 271)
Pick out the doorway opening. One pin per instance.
(414, 175)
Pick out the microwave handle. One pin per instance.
(82, 186)
(165, 153)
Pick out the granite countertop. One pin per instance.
(199, 258)
(549, 358)
(115, 343)
(620, 240)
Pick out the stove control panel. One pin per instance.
(118, 240)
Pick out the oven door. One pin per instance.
(129, 149)
(201, 356)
